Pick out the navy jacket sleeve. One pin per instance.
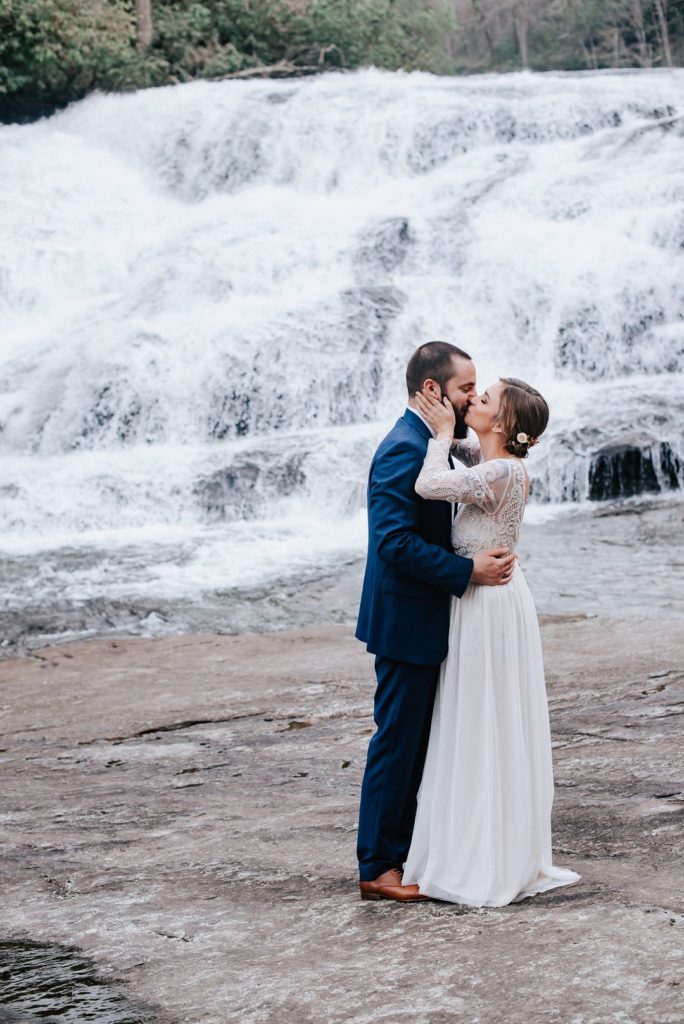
(393, 508)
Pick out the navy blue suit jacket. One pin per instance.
(411, 569)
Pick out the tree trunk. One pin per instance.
(589, 54)
(483, 23)
(143, 12)
(661, 14)
(642, 53)
(521, 21)
(283, 69)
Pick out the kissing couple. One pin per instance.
(458, 787)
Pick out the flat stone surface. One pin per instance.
(183, 810)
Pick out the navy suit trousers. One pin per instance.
(404, 698)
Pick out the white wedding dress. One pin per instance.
(482, 834)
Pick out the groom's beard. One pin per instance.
(460, 428)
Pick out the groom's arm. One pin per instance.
(392, 511)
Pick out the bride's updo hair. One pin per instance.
(523, 415)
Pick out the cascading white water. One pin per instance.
(208, 294)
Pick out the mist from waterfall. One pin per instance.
(208, 295)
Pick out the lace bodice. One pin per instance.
(490, 495)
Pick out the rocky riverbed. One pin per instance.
(605, 558)
(180, 812)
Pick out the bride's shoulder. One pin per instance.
(508, 464)
(502, 466)
(504, 470)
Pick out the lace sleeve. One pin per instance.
(467, 450)
(487, 484)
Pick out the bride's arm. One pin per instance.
(481, 485)
(437, 481)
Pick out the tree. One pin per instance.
(521, 21)
(143, 12)
(55, 51)
(661, 15)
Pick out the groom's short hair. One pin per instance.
(434, 361)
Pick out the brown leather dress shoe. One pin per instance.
(387, 886)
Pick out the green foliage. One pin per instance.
(55, 51)
(384, 33)
(183, 35)
(334, 33)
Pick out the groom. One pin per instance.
(411, 571)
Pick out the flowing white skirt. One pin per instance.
(482, 834)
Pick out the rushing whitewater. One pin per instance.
(208, 294)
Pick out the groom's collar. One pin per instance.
(413, 417)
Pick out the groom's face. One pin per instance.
(460, 388)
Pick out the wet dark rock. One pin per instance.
(368, 313)
(383, 247)
(591, 346)
(621, 471)
(378, 304)
(117, 410)
(280, 97)
(46, 982)
(241, 490)
(250, 396)
(230, 410)
(624, 470)
(671, 467)
(8, 1016)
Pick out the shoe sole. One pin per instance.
(393, 899)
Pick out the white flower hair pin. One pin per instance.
(523, 438)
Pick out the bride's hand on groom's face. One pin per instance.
(439, 414)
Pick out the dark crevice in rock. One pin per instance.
(604, 736)
(206, 768)
(625, 470)
(174, 727)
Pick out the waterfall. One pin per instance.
(208, 294)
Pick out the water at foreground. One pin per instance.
(622, 560)
(208, 295)
(48, 982)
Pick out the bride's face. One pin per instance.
(484, 409)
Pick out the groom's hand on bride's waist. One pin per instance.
(493, 568)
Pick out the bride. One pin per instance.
(482, 833)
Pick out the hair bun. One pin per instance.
(523, 415)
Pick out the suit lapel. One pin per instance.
(446, 509)
(417, 424)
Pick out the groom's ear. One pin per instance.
(433, 387)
